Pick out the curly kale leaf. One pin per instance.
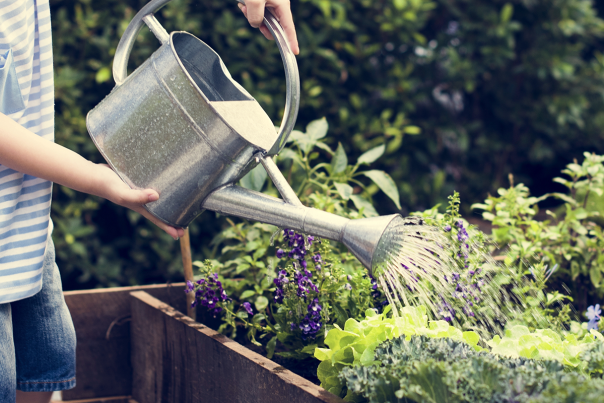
(424, 369)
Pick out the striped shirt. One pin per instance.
(26, 59)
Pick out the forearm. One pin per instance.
(24, 151)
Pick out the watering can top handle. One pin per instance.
(292, 76)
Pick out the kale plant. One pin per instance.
(422, 369)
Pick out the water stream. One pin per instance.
(418, 264)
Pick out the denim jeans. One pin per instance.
(37, 339)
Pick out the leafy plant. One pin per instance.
(567, 246)
(329, 186)
(544, 344)
(422, 369)
(357, 341)
(311, 293)
(296, 286)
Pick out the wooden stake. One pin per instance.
(187, 263)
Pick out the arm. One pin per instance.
(254, 12)
(24, 151)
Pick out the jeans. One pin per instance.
(37, 339)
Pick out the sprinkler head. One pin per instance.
(369, 239)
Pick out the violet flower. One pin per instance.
(248, 308)
(208, 293)
(593, 314)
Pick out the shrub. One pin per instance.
(390, 72)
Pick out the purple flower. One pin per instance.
(279, 295)
(190, 286)
(311, 323)
(280, 253)
(348, 286)
(304, 284)
(317, 258)
(592, 324)
(593, 312)
(209, 293)
(297, 253)
(280, 282)
(248, 308)
(447, 228)
(288, 233)
(314, 308)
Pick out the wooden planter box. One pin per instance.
(135, 346)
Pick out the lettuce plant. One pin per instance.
(545, 344)
(357, 341)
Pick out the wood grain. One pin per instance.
(176, 359)
(115, 399)
(187, 264)
(103, 367)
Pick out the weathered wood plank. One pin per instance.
(103, 365)
(115, 399)
(176, 359)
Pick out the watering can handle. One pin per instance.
(292, 76)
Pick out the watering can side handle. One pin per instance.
(292, 76)
(292, 79)
(124, 47)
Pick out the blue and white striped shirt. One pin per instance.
(26, 96)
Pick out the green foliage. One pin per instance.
(357, 341)
(457, 93)
(248, 265)
(422, 369)
(570, 243)
(339, 295)
(330, 186)
(544, 344)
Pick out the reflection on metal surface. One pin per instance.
(360, 236)
(180, 124)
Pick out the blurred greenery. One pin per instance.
(460, 92)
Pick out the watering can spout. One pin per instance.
(363, 237)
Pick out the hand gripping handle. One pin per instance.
(292, 76)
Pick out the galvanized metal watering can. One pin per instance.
(181, 125)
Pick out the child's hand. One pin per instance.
(118, 192)
(254, 12)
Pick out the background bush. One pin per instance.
(462, 92)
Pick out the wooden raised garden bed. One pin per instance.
(135, 346)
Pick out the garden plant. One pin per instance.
(460, 92)
(505, 333)
(427, 100)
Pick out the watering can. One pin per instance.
(181, 125)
